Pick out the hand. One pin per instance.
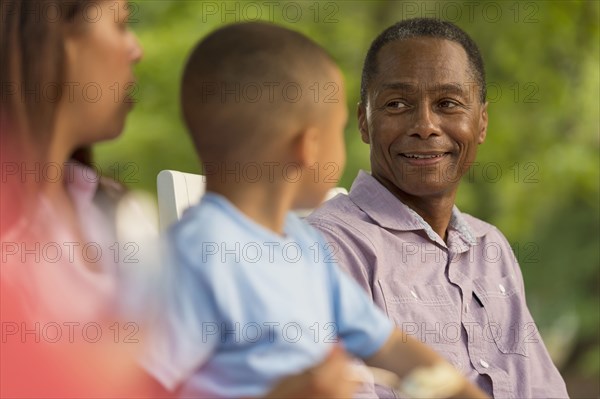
(328, 379)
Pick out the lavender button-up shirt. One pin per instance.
(464, 297)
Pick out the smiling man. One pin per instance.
(444, 277)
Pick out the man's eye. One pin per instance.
(395, 104)
(448, 104)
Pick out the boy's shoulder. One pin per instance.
(204, 226)
(300, 230)
(207, 219)
(216, 223)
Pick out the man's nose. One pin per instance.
(425, 123)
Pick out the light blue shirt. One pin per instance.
(247, 307)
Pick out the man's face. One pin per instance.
(423, 118)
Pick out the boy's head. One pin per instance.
(269, 104)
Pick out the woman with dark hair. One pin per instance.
(66, 77)
(62, 61)
(57, 102)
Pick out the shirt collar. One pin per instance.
(82, 182)
(460, 225)
(391, 213)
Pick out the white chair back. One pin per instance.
(177, 191)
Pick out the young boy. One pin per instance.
(255, 294)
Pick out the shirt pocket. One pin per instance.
(507, 320)
(424, 312)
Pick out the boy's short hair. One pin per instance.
(249, 83)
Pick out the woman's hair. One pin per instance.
(32, 82)
(32, 73)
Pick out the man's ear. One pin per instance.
(363, 127)
(483, 123)
(307, 146)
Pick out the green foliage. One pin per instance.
(538, 175)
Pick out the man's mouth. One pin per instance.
(413, 155)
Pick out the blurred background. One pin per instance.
(538, 176)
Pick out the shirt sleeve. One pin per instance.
(185, 330)
(546, 381)
(362, 327)
(545, 377)
(355, 256)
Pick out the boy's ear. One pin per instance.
(307, 146)
(361, 113)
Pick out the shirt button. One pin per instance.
(483, 363)
(414, 294)
(502, 289)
